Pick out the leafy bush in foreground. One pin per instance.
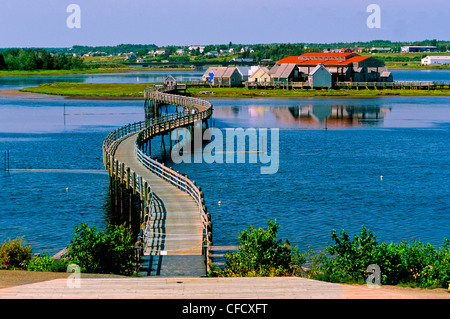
(346, 260)
(46, 263)
(97, 251)
(412, 264)
(13, 254)
(261, 254)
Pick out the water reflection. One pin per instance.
(305, 116)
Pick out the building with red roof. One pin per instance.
(344, 66)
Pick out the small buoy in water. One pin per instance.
(67, 189)
(381, 177)
(219, 202)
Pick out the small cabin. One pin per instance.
(260, 76)
(320, 77)
(223, 76)
(170, 81)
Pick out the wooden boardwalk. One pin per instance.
(211, 288)
(175, 228)
(175, 224)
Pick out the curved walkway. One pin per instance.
(175, 224)
(176, 230)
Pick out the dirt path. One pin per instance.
(12, 278)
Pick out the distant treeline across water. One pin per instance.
(37, 59)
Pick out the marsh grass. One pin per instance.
(90, 89)
(137, 90)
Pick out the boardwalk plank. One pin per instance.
(176, 212)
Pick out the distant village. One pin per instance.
(244, 51)
(319, 69)
(322, 70)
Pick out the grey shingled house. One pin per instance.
(223, 76)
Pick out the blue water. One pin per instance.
(12, 82)
(421, 75)
(137, 76)
(34, 203)
(328, 177)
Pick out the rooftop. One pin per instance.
(437, 57)
(327, 59)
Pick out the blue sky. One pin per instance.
(42, 23)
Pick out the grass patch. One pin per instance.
(90, 89)
(244, 92)
(137, 90)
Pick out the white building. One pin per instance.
(435, 59)
(195, 47)
(380, 50)
(419, 48)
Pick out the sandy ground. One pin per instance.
(12, 278)
(19, 94)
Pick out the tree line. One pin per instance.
(37, 59)
(140, 49)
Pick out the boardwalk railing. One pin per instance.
(348, 85)
(195, 110)
(125, 175)
(396, 84)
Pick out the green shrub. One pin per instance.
(110, 251)
(441, 269)
(351, 257)
(13, 254)
(46, 263)
(412, 264)
(390, 259)
(262, 254)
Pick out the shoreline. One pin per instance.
(24, 94)
(62, 73)
(86, 72)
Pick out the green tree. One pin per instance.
(2, 62)
(47, 61)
